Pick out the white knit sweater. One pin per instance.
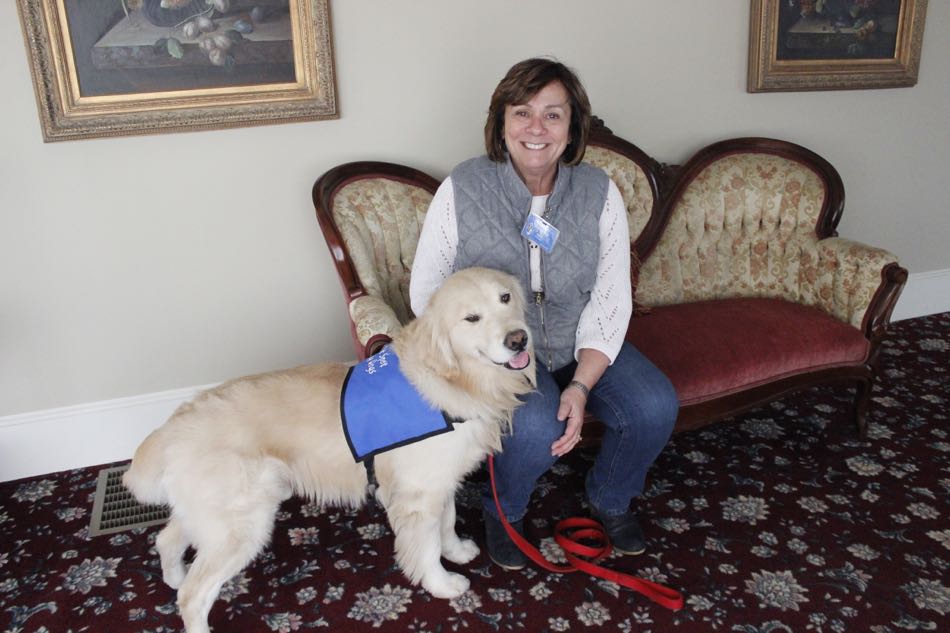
(603, 323)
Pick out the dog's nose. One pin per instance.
(516, 340)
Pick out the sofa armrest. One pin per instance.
(374, 323)
(856, 283)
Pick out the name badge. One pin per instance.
(540, 231)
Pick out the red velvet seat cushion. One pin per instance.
(714, 348)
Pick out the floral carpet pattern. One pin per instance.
(780, 520)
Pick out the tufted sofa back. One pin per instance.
(743, 224)
(756, 218)
(379, 220)
(371, 214)
(633, 181)
(748, 217)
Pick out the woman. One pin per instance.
(531, 208)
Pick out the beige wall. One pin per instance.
(137, 265)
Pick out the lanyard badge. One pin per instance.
(540, 231)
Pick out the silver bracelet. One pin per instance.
(580, 387)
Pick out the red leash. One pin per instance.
(568, 534)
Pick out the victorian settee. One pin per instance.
(743, 290)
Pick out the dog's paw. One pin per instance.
(460, 552)
(173, 573)
(447, 585)
(174, 577)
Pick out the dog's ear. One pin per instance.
(435, 346)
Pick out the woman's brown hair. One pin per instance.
(523, 81)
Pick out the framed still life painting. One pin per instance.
(834, 44)
(120, 67)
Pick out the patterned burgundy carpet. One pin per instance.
(778, 520)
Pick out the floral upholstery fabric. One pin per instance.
(379, 220)
(632, 182)
(371, 316)
(745, 227)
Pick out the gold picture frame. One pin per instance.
(125, 67)
(797, 45)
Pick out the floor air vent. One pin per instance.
(116, 510)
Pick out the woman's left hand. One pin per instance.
(591, 364)
(573, 401)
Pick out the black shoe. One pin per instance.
(501, 549)
(624, 531)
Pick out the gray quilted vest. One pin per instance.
(491, 205)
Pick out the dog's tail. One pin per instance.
(145, 477)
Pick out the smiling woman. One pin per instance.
(525, 83)
(530, 207)
(536, 135)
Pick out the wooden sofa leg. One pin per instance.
(862, 398)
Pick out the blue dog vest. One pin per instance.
(381, 410)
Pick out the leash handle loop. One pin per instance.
(568, 534)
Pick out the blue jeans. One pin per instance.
(638, 407)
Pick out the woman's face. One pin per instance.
(538, 132)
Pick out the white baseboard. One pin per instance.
(72, 437)
(100, 432)
(925, 293)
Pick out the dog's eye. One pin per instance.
(505, 298)
(473, 318)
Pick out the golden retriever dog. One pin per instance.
(226, 460)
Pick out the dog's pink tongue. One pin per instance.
(520, 360)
